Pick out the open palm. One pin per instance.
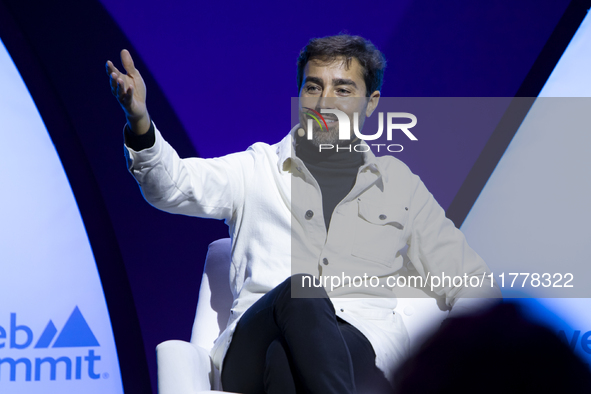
(129, 89)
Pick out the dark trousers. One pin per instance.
(286, 345)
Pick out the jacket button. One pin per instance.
(325, 261)
(383, 217)
(409, 310)
(309, 214)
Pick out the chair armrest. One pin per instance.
(183, 368)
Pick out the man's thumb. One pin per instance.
(128, 62)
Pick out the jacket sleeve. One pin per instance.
(208, 188)
(439, 251)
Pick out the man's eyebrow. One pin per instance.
(316, 80)
(336, 81)
(341, 81)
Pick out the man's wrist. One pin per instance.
(140, 125)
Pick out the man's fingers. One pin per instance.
(120, 88)
(129, 95)
(113, 82)
(121, 93)
(114, 75)
(124, 92)
(112, 69)
(116, 85)
(123, 85)
(128, 62)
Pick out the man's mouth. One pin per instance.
(326, 119)
(329, 119)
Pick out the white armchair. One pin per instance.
(186, 367)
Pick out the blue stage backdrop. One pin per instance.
(532, 215)
(220, 77)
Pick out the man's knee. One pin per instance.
(276, 354)
(306, 286)
(300, 297)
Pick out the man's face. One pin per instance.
(334, 86)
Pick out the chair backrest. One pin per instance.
(215, 295)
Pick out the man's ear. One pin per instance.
(372, 103)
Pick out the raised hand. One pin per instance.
(130, 91)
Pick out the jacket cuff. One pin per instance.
(139, 142)
(144, 158)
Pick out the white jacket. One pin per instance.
(265, 195)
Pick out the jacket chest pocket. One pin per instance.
(379, 230)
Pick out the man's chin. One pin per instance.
(330, 141)
(328, 138)
(324, 140)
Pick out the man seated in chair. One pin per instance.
(299, 212)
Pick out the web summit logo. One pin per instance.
(75, 334)
(345, 128)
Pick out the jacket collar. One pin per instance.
(286, 151)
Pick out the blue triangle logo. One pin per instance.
(47, 336)
(76, 332)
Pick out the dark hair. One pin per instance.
(328, 49)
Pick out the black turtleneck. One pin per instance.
(335, 172)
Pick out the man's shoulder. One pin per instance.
(397, 175)
(390, 164)
(261, 147)
(278, 149)
(265, 146)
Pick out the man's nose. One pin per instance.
(327, 100)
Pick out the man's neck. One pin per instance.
(344, 157)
